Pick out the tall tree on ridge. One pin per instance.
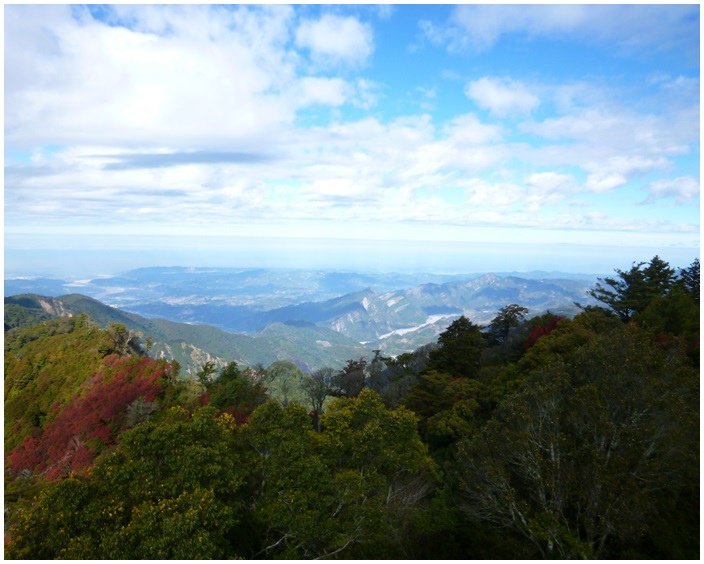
(634, 289)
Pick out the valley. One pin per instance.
(312, 318)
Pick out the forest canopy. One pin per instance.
(532, 437)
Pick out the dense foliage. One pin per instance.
(121, 395)
(541, 437)
(46, 365)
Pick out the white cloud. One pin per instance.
(366, 95)
(427, 92)
(480, 26)
(179, 76)
(429, 95)
(683, 189)
(189, 116)
(467, 129)
(665, 119)
(385, 11)
(336, 188)
(501, 97)
(616, 171)
(605, 181)
(326, 91)
(484, 24)
(552, 185)
(482, 193)
(522, 203)
(612, 143)
(334, 40)
(586, 124)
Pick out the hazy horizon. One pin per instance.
(411, 138)
(345, 255)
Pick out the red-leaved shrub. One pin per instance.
(92, 421)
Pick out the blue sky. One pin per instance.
(420, 137)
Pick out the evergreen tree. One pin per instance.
(507, 318)
(689, 280)
(345, 492)
(461, 346)
(581, 458)
(350, 381)
(634, 289)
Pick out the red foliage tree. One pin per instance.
(241, 414)
(93, 420)
(542, 330)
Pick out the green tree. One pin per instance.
(350, 381)
(318, 387)
(507, 318)
(448, 408)
(205, 375)
(284, 380)
(235, 392)
(633, 290)
(294, 507)
(121, 340)
(168, 491)
(44, 367)
(461, 346)
(402, 373)
(580, 459)
(379, 458)
(345, 492)
(139, 411)
(378, 378)
(689, 279)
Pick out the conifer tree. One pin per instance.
(689, 280)
(632, 291)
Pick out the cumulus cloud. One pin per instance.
(334, 40)
(180, 76)
(501, 97)
(611, 143)
(532, 195)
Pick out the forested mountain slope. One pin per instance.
(192, 345)
(46, 365)
(312, 334)
(545, 437)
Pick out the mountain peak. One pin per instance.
(488, 278)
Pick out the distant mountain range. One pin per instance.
(263, 288)
(312, 318)
(308, 346)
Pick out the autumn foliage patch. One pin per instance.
(92, 420)
(542, 330)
